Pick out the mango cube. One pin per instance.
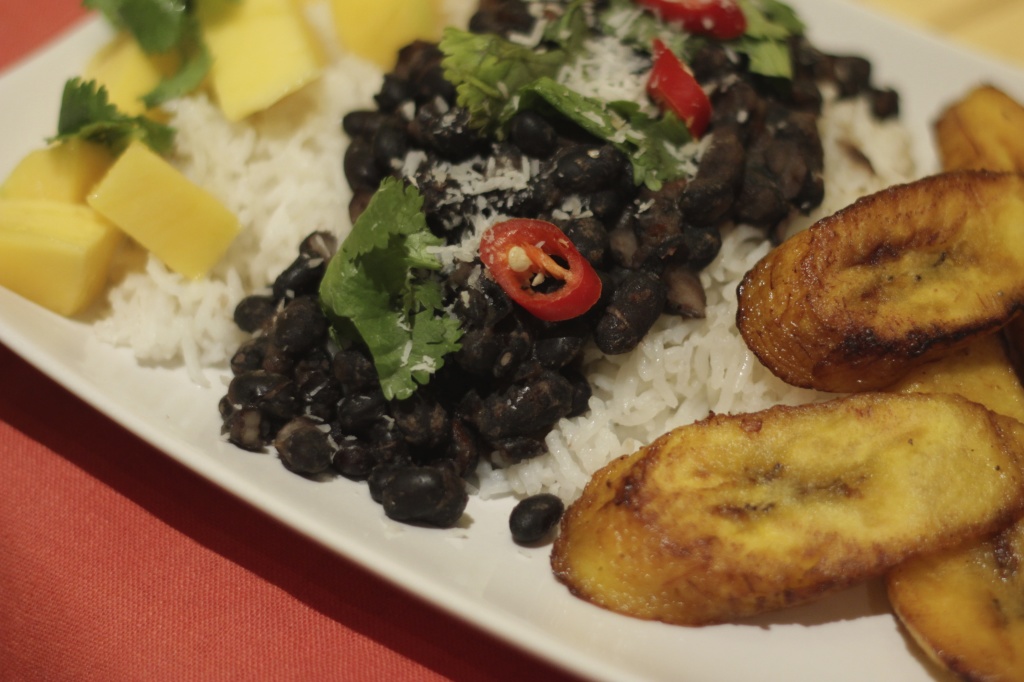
(54, 253)
(377, 30)
(128, 74)
(262, 51)
(181, 223)
(62, 172)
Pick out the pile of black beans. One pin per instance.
(516, 376)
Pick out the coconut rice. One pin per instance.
(281, 173)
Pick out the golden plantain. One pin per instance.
(894, 280)
(737, 515)
(965, 606)
(981, 372)
(982, 131)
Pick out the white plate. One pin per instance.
(477, 572)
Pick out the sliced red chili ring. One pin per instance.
(521, 253)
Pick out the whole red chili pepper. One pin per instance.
(672, 85)
(721, 19)
(521, 254)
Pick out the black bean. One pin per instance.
(635, 306)
(447, 131)
(560, 344)
(300, 327)
(390, 145)
(319, 245)
(534, 517)
(415, 58)
(519, 448)
(254, 312)
(702, 246)
(276, 361)
(303, 447)
(358, 456)
(320, 393)
(885, 103)
(524, 409)
(273, 394)
(360, 168)
(463, 448)
(354, 459)
(684, 294)
(424, 494)
(362, 123)
(502, 17)
(423, 421)
(225, 408)
(590, 238)
(301, 278)
(355, 371)
(581, 393)
(709, 197)
(588, 168)
(852, 75)
(248, 429)
(394, 91)
(433, 85)
(532, 133)
(358, 412)
(249, 355)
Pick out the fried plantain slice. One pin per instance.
(965, 606)
(982, 131)
(981, 372)
(736, 515)
(894, 280)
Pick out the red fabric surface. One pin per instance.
(117, 563)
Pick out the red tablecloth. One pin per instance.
(116, 563)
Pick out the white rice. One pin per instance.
(281, 173)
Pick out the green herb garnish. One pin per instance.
(488, 71)
(378, 290)
(161, 27)
(770, 24)
(646, 141)
(495, 79)
(86, 113)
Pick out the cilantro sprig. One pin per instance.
(645, 140)
(377, 290)
(162, 27)
(86, 113)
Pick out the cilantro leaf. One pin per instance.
(157, 25)
(770, 24)
(488, 71)
(377, 290)
(86, 113)
(645, 140)
(195, 63)
(637, 28)
(161, 27)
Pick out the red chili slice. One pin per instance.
(721, 19)
(521, 253)
(673, 86)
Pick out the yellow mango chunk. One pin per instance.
(128, 74)
(262, 51)
(181, 223)
(54, 253)
(377, 30)
(62, 172)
